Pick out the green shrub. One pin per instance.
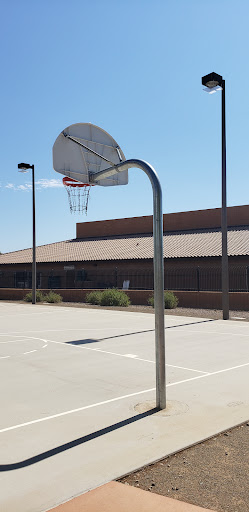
(52, 297)
(151, 301)
(170, 300)
(39, 296)
(114, 297)
(93, 297)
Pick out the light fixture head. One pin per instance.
(24, 167)
(212, 80)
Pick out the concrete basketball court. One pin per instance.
(78, 396)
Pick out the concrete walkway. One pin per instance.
(116, 497)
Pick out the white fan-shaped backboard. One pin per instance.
(82, 149)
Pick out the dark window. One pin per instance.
(81, 275)
(23, 279)
(54, 281)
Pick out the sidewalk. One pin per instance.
(117, 497)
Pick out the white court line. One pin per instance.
(74, 410)
(88, 329)
(107, 352)
(65, 413)
(28, 314)
(19, 340)
(183, 368)
(212, 332)
(173, 329)
(131, 356)
(15, 334)
(140, 359)
(77, 311)
(24, 338)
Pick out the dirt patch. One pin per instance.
(212, 474)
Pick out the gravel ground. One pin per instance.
(213, 474)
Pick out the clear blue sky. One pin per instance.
(133, 68)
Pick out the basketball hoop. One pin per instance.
(78, 194)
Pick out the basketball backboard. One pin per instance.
(83, 149)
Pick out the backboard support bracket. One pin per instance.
(88, 149)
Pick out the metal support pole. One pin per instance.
(34, 242)
(225, 275)
(158, 267)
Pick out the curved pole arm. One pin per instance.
(158, 266)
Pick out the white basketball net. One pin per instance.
(78, 195)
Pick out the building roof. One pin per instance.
(180, 244)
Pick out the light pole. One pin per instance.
(214, 82)
(24, 168)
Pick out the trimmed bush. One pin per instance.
(114, 297)
(170, 300)
(94, 298)
(111, 297)
(151, 301)
(52, 297)
(39, 296)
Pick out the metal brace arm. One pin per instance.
(88, 149)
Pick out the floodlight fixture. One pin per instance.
(212, 80)
(24, 167)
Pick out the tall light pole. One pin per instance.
(24, 168)
(214, 82)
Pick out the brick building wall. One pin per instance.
(198, 219)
